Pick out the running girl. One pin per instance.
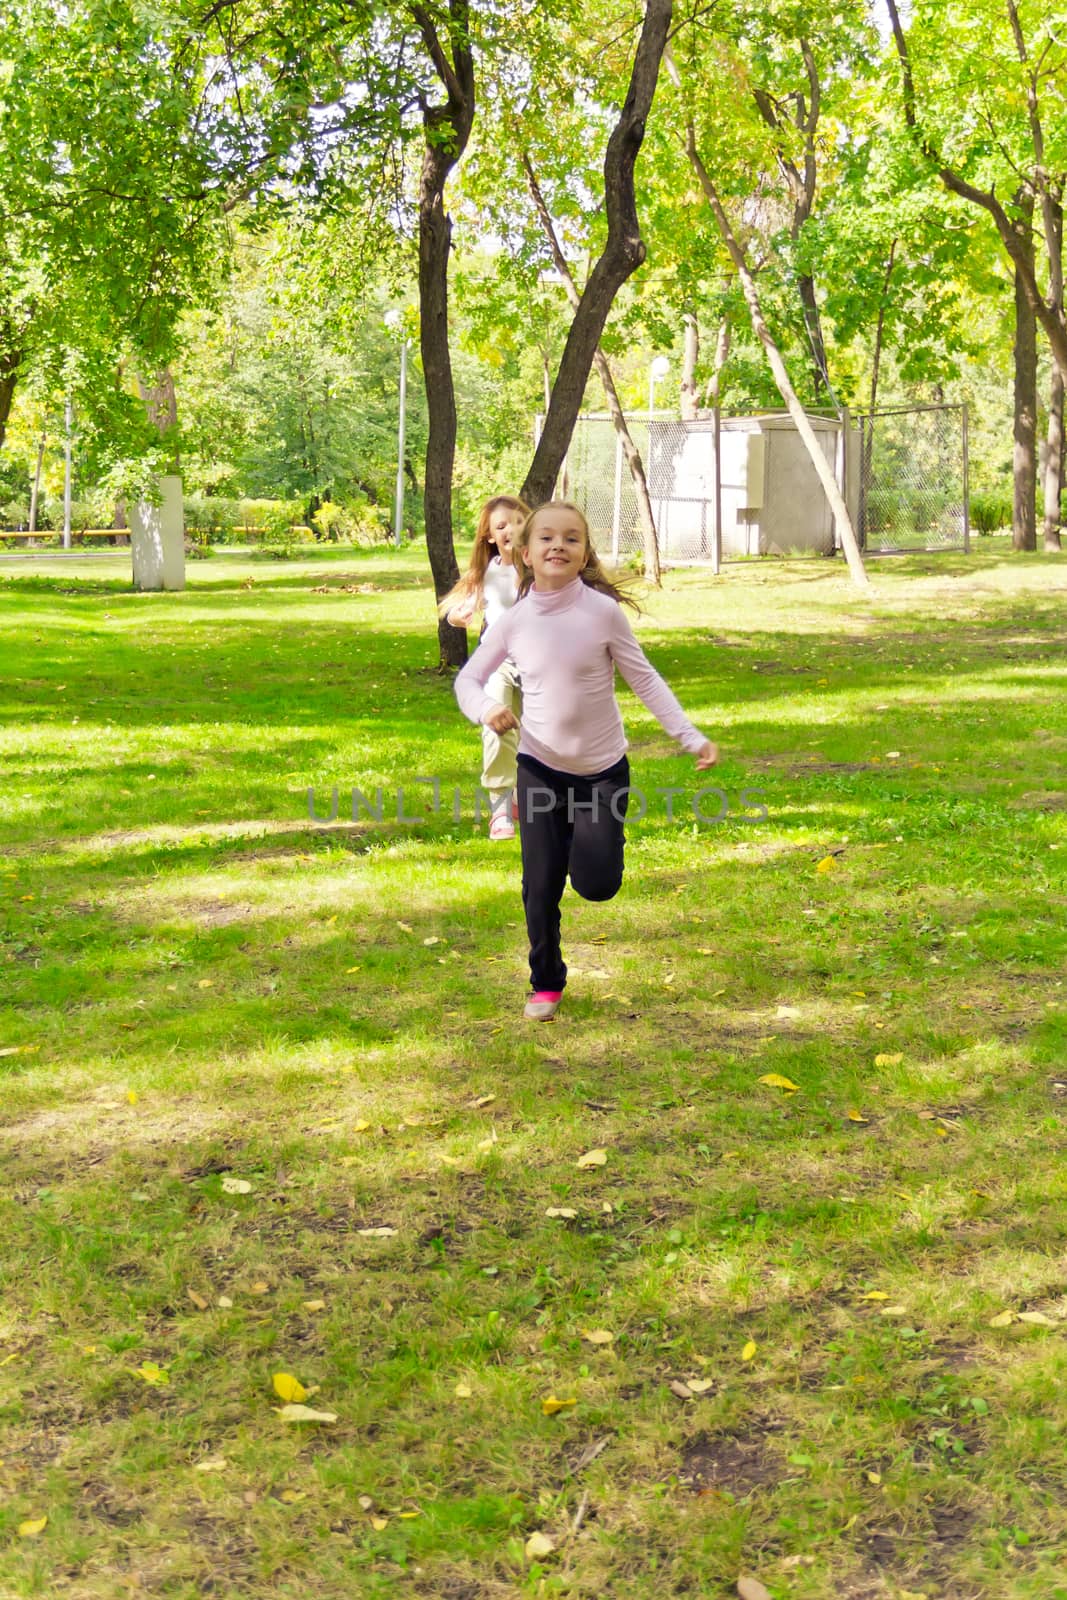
(566, 639)
(491, 584)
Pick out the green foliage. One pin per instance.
(990, 512)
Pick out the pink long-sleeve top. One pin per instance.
(566, 644)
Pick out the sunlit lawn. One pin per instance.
(836, 1315)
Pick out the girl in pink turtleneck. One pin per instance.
(566, 637)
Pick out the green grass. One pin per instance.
(200, 983)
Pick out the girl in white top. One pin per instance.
(491, 585)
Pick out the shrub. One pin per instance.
(15, 514)
(990, 512)
(209, 519)
(365, 522)
(328, 521)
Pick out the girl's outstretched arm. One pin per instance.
(654, 693)
(470, 683)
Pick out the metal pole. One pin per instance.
(35, 492)
(841, 473)
(69, 416)
(616, 509)
(398, 509)
(716, 549)
(966, 485)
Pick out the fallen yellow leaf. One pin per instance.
(198, 1300)
(462, 1391)
(593, 1158)
(874, 1477)
(313, 1305)
(1003, 1319)
(855, 1115)
(1037, 1318)
(286, 1387)
(298, 1413)
(236, 1186)
(749, 1351)
(775, 1080)
(152, 1374)
(597, 1336)
(827, 864)
(885, 1060)
(537, 1545)
(699, 1385)
(211, 1464)
(32, 1527)
(552, 1405)
(376, 1233)
(407, 1516)
(564, 1212)
(260, 1287)
(132, 1097)
(349, 970)
(379, 1524)
(205, 983)
(875, 1294)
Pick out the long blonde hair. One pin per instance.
(469, 586)
(592, 574)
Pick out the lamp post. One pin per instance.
(394, 320)
(658, 368)
(68, 419)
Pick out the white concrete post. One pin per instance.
(157, 538)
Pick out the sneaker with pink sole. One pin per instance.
(543, 1004)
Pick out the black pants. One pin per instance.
(568, 824)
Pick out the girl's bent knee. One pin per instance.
(597, 888)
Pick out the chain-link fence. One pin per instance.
(679, 463)
(749, 479)
(913, 480)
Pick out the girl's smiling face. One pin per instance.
(556, 547)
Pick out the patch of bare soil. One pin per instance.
(443, 1587)
(213, 913)
(729, 1463)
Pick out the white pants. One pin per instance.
(499, 749)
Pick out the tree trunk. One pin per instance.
(1053, 206)
(447, 128)
(801, 184)
(843, 521)
(10, 363)
(623, 253)
(690, 352)
(157, 527)
(813, 323)
(1054, 462)
(722, 355)
(600, 361)
(1024, 462)
(35, 489)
